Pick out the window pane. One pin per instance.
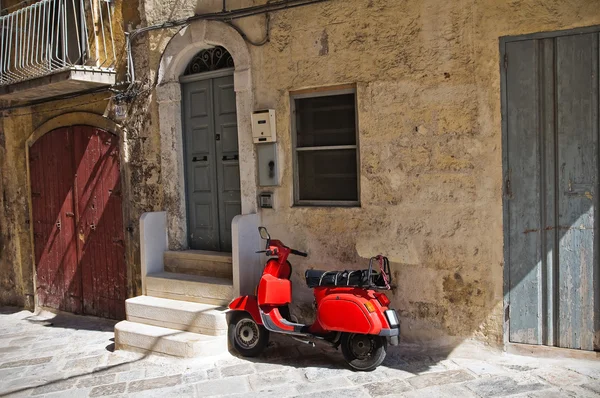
(327, 175)
(324, 121)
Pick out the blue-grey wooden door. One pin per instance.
(550, 149)
(211, 160)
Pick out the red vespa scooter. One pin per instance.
(349, 310)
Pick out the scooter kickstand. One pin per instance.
(310, 343)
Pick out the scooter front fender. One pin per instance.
(248, 304)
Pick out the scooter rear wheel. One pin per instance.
(363, 351)
(246, 336)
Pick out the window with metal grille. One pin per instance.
(325, 146)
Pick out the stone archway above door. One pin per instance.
(177, 55)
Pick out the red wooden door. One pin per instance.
(75, 180)
(51, 168)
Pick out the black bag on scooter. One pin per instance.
(316, 278)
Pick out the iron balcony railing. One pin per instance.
(55, 35)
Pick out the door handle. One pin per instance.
(203, 159)
(234, 157)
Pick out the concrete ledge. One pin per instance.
(193, 288)
(139, 337)
(179, 315)
(542, 351)
(62, 82)
(198, 262)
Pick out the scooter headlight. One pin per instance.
(392, 318)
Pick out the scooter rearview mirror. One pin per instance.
(264, 233)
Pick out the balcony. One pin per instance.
(56, 47)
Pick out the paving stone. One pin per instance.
(11, 373)
(443, 391)
(260, 381)
(561, 377)
(387, 387)
(281, 391)
(478, 367)
(354, 392)
(96, 380)
(73, 393)
(153, 370)
(54, 386)
(25, 362)
(519, 368)
(573, 391)
(593, 386)
(4, 350)
(85, 363)
(213, 373)
(499, 386)
(115, 368)
(194, 377)
(438, 378)
(554, 393)
(110, 389)
(237, 370)
(131, 375)
(231, 385)
(158, 382)
(315, 374)
(177, 391)
(324, 385)
(586, 368)
(378, 374)
(22, 341)
(267, 367)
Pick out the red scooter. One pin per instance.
(351, 313)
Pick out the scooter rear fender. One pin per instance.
(248, 304)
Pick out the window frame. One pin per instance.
(325, 92)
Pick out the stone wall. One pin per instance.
(428, 89)
(140, 178)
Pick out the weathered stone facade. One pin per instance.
(427, 75)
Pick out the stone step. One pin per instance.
(199, 262)
(147, 338)
(194, 288)
(179, 315)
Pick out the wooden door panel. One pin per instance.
(227, 154)
(100, 227)
(577, 138)
(51, 170)
(200, 163)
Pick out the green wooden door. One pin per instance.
(550, 104)
(211, 162)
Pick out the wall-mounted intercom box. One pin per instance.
(263, 126)
(268, 170)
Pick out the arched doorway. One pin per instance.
(210, 146)
(77, 221)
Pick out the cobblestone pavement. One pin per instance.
(73, 356)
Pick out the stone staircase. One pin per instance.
(183, 311)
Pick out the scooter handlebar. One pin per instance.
(298, 253)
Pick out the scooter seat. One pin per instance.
(316, 278)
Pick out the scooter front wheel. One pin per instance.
(363, 351)
(246, 336)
